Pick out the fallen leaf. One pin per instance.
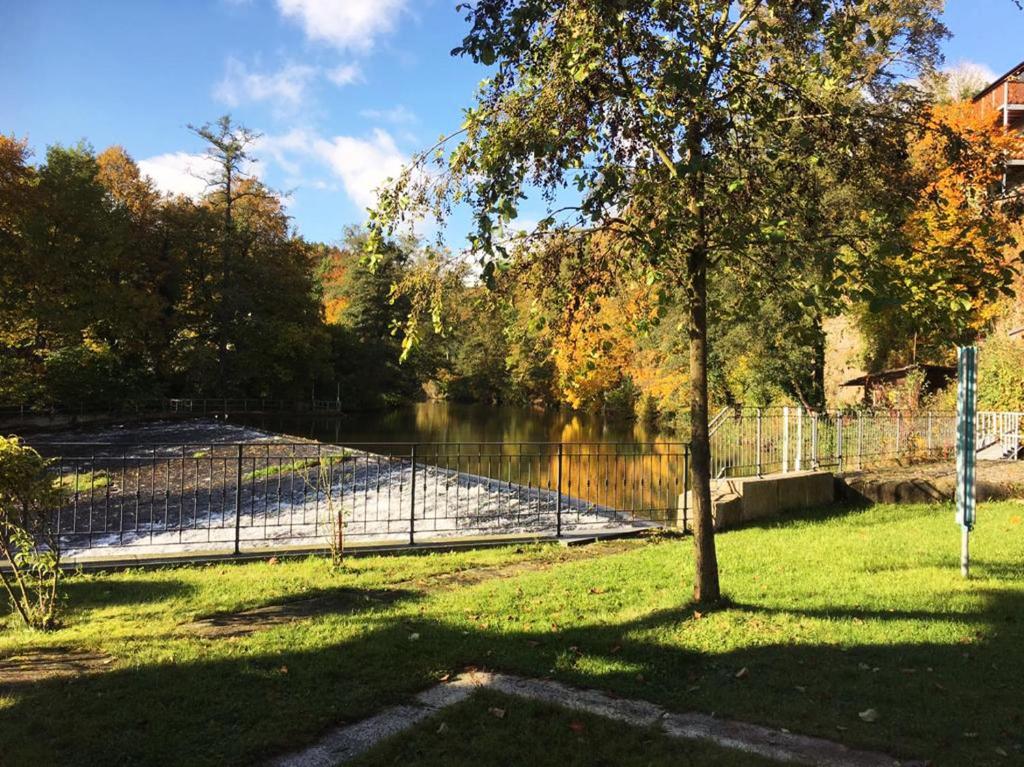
(283, 669)
(869, 715)
(497, 713)
(446, 677)
(1000, 751)
(442, 729)
(413, 636)
(743, 673)
(273, 561)
(577, 727)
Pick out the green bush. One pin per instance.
(29, 544)
(1001, 372)
(620, 402)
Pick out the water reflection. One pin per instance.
(619, 465)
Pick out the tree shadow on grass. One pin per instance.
(85, 594)
(956, 702)
(309, 604)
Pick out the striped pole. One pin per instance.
(966, 455)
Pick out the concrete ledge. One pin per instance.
(746, 499)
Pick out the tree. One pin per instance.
(228, 148)
(692, 131)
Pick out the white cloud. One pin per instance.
(361, 164)
(286, 87)
(345, 24)
(186, 174)
(286, 149)
(345, 74)
(177, 173)
(398, 115)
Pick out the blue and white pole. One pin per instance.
(966, 448)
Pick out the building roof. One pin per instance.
(895, 374)
(1019, 68)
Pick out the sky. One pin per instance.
(342, 91)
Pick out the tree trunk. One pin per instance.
(705, 586)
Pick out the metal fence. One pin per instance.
(235, 497)
(171, 498)
(751, 441)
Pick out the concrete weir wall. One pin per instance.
(736, 501)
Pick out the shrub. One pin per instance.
(620, 402)
(29, 544)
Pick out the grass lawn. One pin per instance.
(490, 729)
(830, 615)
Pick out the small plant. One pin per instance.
(322, 484)
(29, 543)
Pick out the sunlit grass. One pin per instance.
(828, 615)
(81, 482)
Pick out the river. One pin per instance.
(444, 422)
(620, 465)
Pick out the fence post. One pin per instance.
(800, 438)
(758, 459)
(814, 440)
(686, 486)
(238, 500)
(899, 419)
(839, 440)
(558, 499)
(412, 498)
(929, 431)
(860, 440)
(785, 439)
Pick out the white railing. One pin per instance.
(764, 441)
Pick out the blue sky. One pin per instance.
(343, 90)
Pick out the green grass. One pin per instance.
(490, 728)
(274, 469)
(82, 482)
(829, 614)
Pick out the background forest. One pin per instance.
(111, 292)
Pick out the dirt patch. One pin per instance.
(39, 665)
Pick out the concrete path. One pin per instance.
(346, 743)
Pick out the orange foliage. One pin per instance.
(962, 241)
(332, 270)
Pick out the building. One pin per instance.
(1003, 102)
(874, 385)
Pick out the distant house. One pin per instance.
(1003, 102)
(936, 377)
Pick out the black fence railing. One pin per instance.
(176, 498)
(18, 415)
